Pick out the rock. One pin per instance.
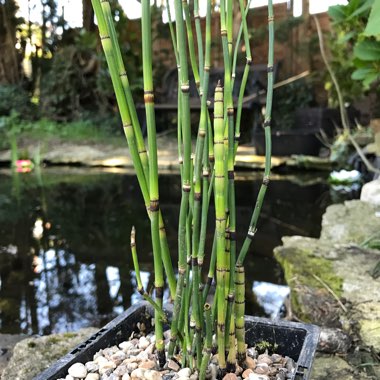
(281, 375)
(106, 368)
(138, 373)
(230, 376)
(99, 360)
(109, 351)
(371, 192)
(251, 363)
(92, 376)
(247, 372)
(351, 222)
(251, 351)
(143, 343)
(183, 378)
(7, 343)
(150, 349)
(118, 357)
(184, 372)
(262, 369)
(334, 341)
(92, 366)
(44, 350)
(255, 376)
(152, 375)
(69, 377)
(132, 366)
(264, 358)
(126, 377)
(121, 370)
(290, 365)
(149, 364)
(78, 370)
(173, 365)
(126, 346)
(276, 358)
(194, 376)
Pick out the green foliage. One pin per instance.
(13, 98)
(356, 54)
(288, 99)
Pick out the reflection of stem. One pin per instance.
(343, 112)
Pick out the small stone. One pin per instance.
(126, 377)
(281, 375)
(262, 369)
(172, 364)
(250, 362)
(108, 352)
(255, 376)
(112, 376)
(230, 376)
(132, 366)
(150, 349)
(69, 377)
(99, 353)
(152, 375)
(194, 376)
(100, 360)
(184, 372)
(142, 356)
(247, 372)
(215, 359)
(138, 373)
(106, 368)
(125, 346)
(92, 376)
(183, 378)
(78, 370)
(143, 343)
(121, 370)
(132, 359)
(149, 364)
(118, 357)
(276, 358)
(264, 358)
(92, 366)
(252, 352)
(238, 370)
(134, 351)
(290, 365)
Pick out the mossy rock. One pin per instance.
(350, 222)
(33, 355)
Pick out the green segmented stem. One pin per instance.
(198, 31)
(207, 349)
(127, 90)
(268, 143)
(190, 39)
(220, 219)
(140, 287)
(146, 31)
(239, 313)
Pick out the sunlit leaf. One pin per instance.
(373, 25)
(368, 50)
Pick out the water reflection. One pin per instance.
(64, 242)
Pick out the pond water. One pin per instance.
(64, 242)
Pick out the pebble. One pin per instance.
(276, 358)
(107, 368)
(121, 370)
(289, 364)
(78, 370)
(138, 373)
(183, 378)
(173, 365)
(126, 346)
(252, 352)
(247, 372)
(238, 370)
(149, 364)
(250, 362)
(132, 366)
(194, 376)
(143, 343)
(100, 360)
(150, 349)
(281, 375)
(152, 375)
(262, 369)
(92, 366)
(118, 357)
(69, 377)
(255, 376)
(264, 358)
(108, 352)
(184, 372)
(230, 376)
(92, 376)
(126, 376)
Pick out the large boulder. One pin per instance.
(33, 355)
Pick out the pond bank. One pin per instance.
(334, 284)
(58, 152)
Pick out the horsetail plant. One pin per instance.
(206, 173)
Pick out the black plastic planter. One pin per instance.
(296, 340)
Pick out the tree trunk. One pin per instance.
(88, 16)
(9, 65)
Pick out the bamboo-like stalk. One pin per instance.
(107, 15)
(208, 342)
(186, 168)
(140, 287)
(146, 31)
(268, 143)
(198, 31)
(220, 218)
(239, 313)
